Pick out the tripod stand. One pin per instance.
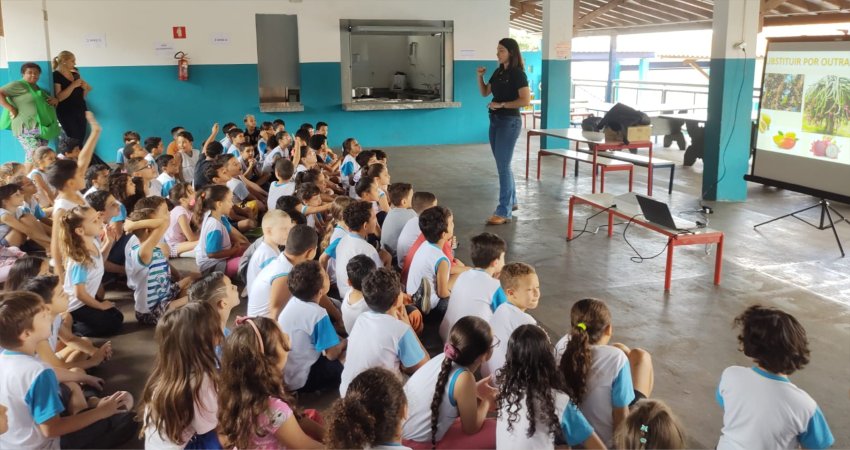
(825, 215)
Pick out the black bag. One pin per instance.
(620, 117)
(590, 123)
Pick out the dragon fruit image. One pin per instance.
(832, 150)
(819, 146)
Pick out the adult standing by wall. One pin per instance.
(509, 87)
(24, 98)
(71, 91)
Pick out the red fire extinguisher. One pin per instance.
(182, 66)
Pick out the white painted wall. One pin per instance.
(133, 27)
(4, 61)
(379, 58)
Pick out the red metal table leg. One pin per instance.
(570, 219)
(593, 173)
(649, 171)
(631, 177)
(668, 271)
(610, 223)
(602, 180)
(539, 157)
(718, 261)
(527, 153)
(564, 170)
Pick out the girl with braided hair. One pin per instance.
(447, 408)
(533, 407)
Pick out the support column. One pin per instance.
(557, 49)
(613, 68)
(730, 102)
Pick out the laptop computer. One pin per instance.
(659, 213)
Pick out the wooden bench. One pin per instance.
(603, 165)
(643, 161)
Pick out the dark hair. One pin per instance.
(176, 129)
(320, 124)
(288, 204)
(650, 424)
(67, 144)
(773, 338)
(223, 159)
(422, 200)
(118, 186)
(211, 170)
(206, 200)
(133, 165)
(358, 268)
(30, 65)
(370, 412)
(150, 202)
(227, 127)
(317, 141)
(7, 191)
(131, 136)
(301, 239)
(512, 273)
(576, 361)
(515, 61)
(375, 170)
(60, 172)
(129, 149)
(364, 184)
(306, 191)
(163, 160)
(97, 200)
(233, 132)
(472, 337)
(186, 135)
(305, 280)
(307, 176)
(346, 145)
(210, 288)
(433, 222)
(357, 215)
(214, 149)
(303, 134)
(398, 192)
(43, 286)
(17, 311)
(140, 214)
(530, 373)
(486, 248)
(363, 157)
(381, 289)
(305, 126)
(279, 122)
(23, 269)
(92, 171)
(152, 143)
(178, 191)
(283, 169)
(380, 155)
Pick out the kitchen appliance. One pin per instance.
(363, 91)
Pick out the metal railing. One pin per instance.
(647, 92)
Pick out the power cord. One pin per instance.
(639, 259)
(587, 221)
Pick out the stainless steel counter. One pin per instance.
(396, 105)
(281, 107)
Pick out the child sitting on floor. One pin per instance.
(650, 424)
(283, 170)
(169, 170)
(401, 198)
(361, 221)
(222, 244)
(269, 293)
(139, 168)
(13, 231)
(217, 290)
(97, 178)
(219, 174)
(42, 159)
(353, 304)
(180, 236)
(276, 227)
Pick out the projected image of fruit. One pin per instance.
(783, 92)
(764, 123)
(785, 141)
(827, 107)
(825, 148)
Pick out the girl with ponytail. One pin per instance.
(221, 243)
(533, 407)
(370, 415)
(621, 376)
(84, 255)
(254, 410)
(444, 389)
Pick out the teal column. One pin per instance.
(643, 69)
(730, 88)
(556, 49)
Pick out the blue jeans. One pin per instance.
(504, 131)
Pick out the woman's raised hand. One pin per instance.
(481, 71)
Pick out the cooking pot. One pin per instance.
(361, 92)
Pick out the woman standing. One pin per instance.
(71, 91)
(509, 87)
(24, 95)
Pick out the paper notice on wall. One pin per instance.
(94, 40)
(562, 50)
(163, 49)
(467, 54)
(219, 38)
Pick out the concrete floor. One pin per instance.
(688, 330)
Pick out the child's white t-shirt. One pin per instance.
(506, 319)
(152, 162)
(350, 312)
(174, 235)
(204, 420)
(271, 158)
(609, 386)
(419, 391)
(215, 237)
(278, 190)
(188, 163)
(30, 391)
(260, 291)
(379, 340)
(765, 410)
(575, 427)
(79, 273)
(151, 282)
(262, 256)
(395, 221)
(311, 332)
(336, 236)
(475, 293)
(166, 182)
(89, 191)
(238, 188)
(351, 245)
(155, 187)
(408, 236)
(53, 340)
(425, 263)
(348, 168)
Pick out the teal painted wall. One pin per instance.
(10, 149)
(150, 100)
(556, 96)
(725, 165)
(534, 70)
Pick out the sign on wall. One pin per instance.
(179, 32)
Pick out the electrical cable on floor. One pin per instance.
(639, 259)
(587, 221)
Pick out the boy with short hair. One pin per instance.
(761, 407)
(169, 169)
(225, 141)
(410, 231)
(401, 199)
(68, 148)
(30, 389)
(322, 128)
(153, 145)
(218, 173)
(353, 304)
(237, 138)
(139, 168)
(97, 177)
(129, 137)
(283, 169)
(173, 147)
(314, 358)
(276, 227)
(361, 221)
(210, 152)
(270, 292)
(189, 156)
(382, 336)
(477, 292)
(522, 288)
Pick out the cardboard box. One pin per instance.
(634, 134)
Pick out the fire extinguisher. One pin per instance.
(182, 66)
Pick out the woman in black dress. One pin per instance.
(509, 87)
(71, 91)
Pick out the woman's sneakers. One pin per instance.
(422, 298)
(497, 220)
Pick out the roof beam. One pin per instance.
(606, 7)
(651, 13)
(806, 19)
(678, 8)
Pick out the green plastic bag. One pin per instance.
(48, 123)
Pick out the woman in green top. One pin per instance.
(22, 109)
